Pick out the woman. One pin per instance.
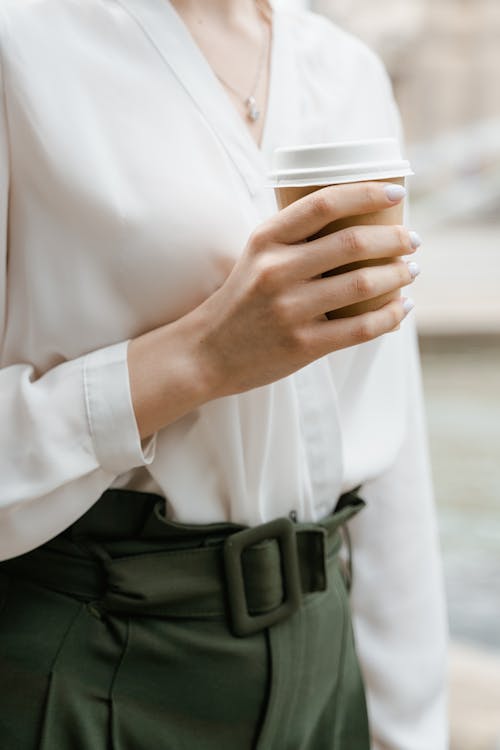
(169, 380)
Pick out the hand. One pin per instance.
(269, 317)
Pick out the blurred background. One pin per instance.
(444, 60)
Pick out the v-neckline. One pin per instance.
(172, 39)
(271, 73)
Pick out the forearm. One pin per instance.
(168, 376)
(269, 318)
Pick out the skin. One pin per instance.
(232, 35)
(267, 320)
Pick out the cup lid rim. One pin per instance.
(338, 162)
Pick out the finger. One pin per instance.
(310, 214)
(319, 296)
(327, 335)
(352, 245)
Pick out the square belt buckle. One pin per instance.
(283, 531)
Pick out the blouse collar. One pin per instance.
(172, 40)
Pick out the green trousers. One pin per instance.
(128, 632)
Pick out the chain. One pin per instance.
(253, 112)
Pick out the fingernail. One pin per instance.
(413, 268)
(408, 305)
(415, 240)
(395, 192)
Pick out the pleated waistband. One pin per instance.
(124, 557)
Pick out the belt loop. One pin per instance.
(103, 557)
(98, 553)
(347, 564)
(349, 504)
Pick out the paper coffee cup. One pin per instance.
(300, 170)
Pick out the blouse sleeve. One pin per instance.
(64, 434)
(398, 597)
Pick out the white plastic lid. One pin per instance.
(334, 163)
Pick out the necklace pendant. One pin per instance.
(252, 111)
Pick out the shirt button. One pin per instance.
(293, 516)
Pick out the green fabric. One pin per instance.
(77, 676)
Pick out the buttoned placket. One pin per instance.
(323, 441)
(175, 45)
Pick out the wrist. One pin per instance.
(203, 361)
(170, 375)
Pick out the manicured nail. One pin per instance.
(395, 192)
(408, 304)
(415, 240)
(413, 268)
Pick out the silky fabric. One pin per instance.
(80, 676)
(129, 187)
(126, 201)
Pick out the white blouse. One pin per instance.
(128, 187)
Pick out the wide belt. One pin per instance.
(254, 578)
